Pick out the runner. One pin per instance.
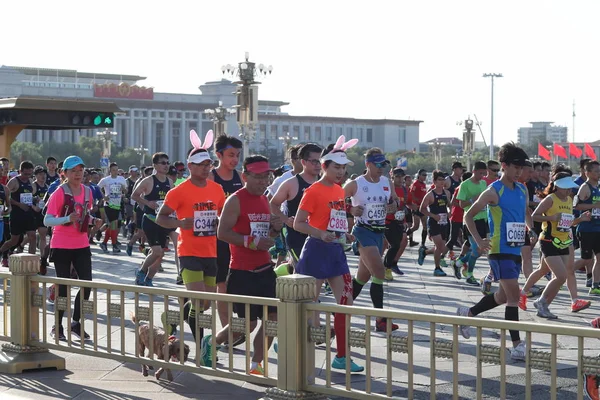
(52, 174)
(418, 190)
(247, 225)
(180, 167)
(506, 201)
(555, 211)
(297, 168)
(114, 187)
(581, 263)
(322, 216)
(493, 168)
(39, 192)
(97, 196)
(128, 202)
(373, 197)
(453, 181)
(68, 213)
(458, 230)
(5, 209)
(395, 226)
(291, 192)
(196, 204)
(527, 248)
(435, 207)
(588, 199)
(21, 216)
(138, 213)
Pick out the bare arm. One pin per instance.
(489, 196)
(283, 194)
(350, 190)
(229, 217)
(142, 189)
(528, 219)
(301, 225)
(163, 219)
(424, 208)
(541, 209)
(582, 195)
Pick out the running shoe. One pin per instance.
(61, 333)
(259, 370)
(595, 323)
(486, 285)
(439, 272)
(456, 269)
(579, 305)
(381, 326)
(140, 278)
(588, 282)
(104, 247)
(51, 293)
(5, 262)
(206, 351)
(523, 302)
(548, 276)
(327, 289)
(388, 275)
(464, 329)
(590, 386)
(472, 281)
(340, 363)
(443, 263)
(76, 330)
(355, 248)
(149, 282)
(129, 250)
(98, 235)
(43, 266)
(422, 255)
(519, 353)
(395, 269)
(116, 249)
(595, 291)
(451, 255)
(543, 311)
(413, 243)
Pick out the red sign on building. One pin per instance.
(123, 91)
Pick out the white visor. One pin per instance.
(566, 183)
(199, 157)
(338, 157)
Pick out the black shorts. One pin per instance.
(223, 259)
(408, 217)
(247, 283)
(39, 220)
(128, 210)
(294, 241)
(550, 250)
(434, 229)
(418, 214)
(208, 265)
(21, 223)
(575, 237)
(112, 214)
(590, 244)
(155, 234)
(537, 227)
(482, 228)
(139, 216)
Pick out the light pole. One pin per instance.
(468, 140)
(287, 141)
(247, 95)
(219, 118)
(106, 136)
(492, 75)
(141, 151)
(436, 149)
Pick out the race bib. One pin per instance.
(399, 216)
(565, 222)
(261, 229)
(515, 233)
(536, 198)
(205, 223)
(26, 198)
(337, 221)
(1, 209)
(41, 204)
(595, 213)
(115, 195)
(443, 219)
(375, 213)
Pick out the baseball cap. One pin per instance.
(378, 158)
(398, 172)
(71, 162)
(457, 164)
(172, 170)
(338, 157)
(133, 168)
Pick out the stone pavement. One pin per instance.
(88, 377)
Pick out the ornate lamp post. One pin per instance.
(106, 137)
(141, 151)
(436, 149)
(219, 117)
(247, 95)
(287, 142)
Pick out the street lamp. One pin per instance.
(247, 95)
(106, 136)
(436, 149)
(141, 151)
(287, 140)
(468, 140)
(492, 75)
(219, 118)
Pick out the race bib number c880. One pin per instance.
(515, 233)
(565, 222)
(205, 223)
(261, 229)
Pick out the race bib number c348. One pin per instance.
(515, 233)
(565, 222)
(205, 223)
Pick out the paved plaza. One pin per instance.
(418, 290)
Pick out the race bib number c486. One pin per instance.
(205, 223)
(515, 233)
(565, 222)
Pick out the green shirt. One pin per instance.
(179, 180)
(470, 191)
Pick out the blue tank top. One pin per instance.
(507, 219)
(594, 224)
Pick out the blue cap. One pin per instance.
(71, 162)
(378, 158)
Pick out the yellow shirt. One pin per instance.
(559, 232)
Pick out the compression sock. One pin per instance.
(486, 303)
(512, 314)
(357, 287)
(377, 292)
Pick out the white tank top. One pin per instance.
(373, 197)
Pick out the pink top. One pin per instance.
(66, 236)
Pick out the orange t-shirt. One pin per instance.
(319, 201)
(204, 205)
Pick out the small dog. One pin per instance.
(159, 348)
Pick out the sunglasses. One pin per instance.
(315, 162)
(380, 164)
(495, 170)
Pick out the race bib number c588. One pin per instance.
(261, 229)
(515, 234)
(26, 198)
(375, 213)
(205, 223)
(565, 222)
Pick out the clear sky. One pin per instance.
(378, 59)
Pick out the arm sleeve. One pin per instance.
(51, 220)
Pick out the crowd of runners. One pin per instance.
(235, 231)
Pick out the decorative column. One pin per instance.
(20, 355)
(295, 356)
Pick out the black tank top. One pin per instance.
(130, 185)
(453, 184)
(22, 195)
(292, 205)
(2, 196)
(158, 193)
(440, 203)
(50, 179)
(231, 186)
(40, 192)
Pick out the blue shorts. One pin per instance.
(368, 238)
(505, 268)
(322, 260)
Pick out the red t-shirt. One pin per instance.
(418, 190)
(403, 196)
(457, 213)
(255, 220)
(489, 181)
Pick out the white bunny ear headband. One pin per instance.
(338, 155)
(197, 143)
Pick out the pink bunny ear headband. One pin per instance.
(338, 155)
(197, 143)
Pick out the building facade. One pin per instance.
(542, 131)
(162, 121)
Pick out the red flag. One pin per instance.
(560, 151)
(575, 151)
(590, 152)
(543, 152)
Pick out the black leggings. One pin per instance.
(455, 229)
(394, 232)
(81, 259)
